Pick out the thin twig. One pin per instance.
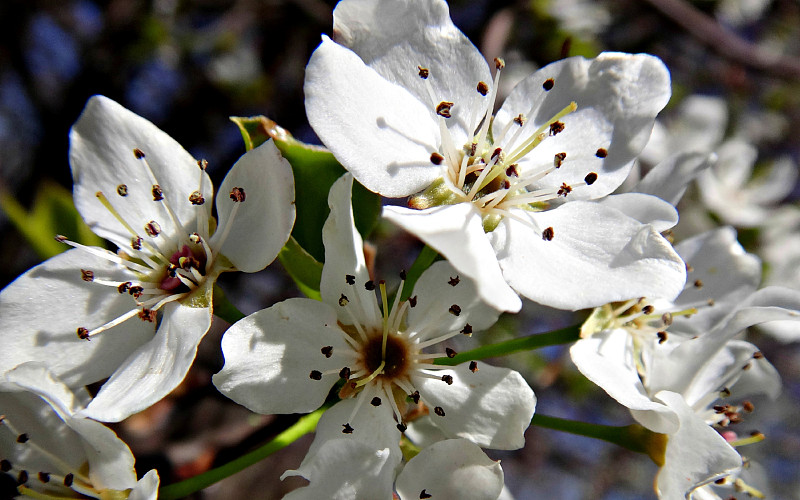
(725, 42)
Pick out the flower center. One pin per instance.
(395, 361)
(486, 171)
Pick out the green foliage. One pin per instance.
(52, 213)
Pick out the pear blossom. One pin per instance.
(728, 190)
(287, 358)
(53, 452)
(669, 363)
(137, 315)
(503, 197)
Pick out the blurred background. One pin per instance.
(189, 65)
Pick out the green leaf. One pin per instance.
(52, 213)
(315, 170)
(305, 270)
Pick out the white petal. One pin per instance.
(269, 357)
(264, 220)
(618, 96)
(668, 180)
(436, 295)
(645, 208)
(777, 185)
(456, 232)
(722, 271)
(101, 155)
(360, 465)
(41, 311)
(451, 469)
(344, 256)
(696, 453)
(606, 358)
(376, 129)
(596, 255)
(394, 37)
(491, 407)
(147, 487)
(155, 368)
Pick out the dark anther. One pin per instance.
(455, 310)
(443, 109)
(138, 153)
(148, 315)
(473, 148)
(512, 171)
(499, 63)
(403, 275)
(724, 392)
(136, 242)
(68, 479)
(158, 193)
(648, 309)
(548, 84)
(237, 194)
(83, 333)
(315, 375)
(136, 291)
(87, 275)
(369, 285)
(5, 465)
(601, 153)
(748, 407)
(203, 164)
(343, 300)
(710, 302)
(483, 89)
(344, 373)
(44, 477)
(451, 353)
(497, 152)
(347, 429)
(439, 411)
(424, 494)
(327, 351)
(415, 397)
(547, 234)
(196, 198)
(447, 379)
(454, 281)
(666, 318)
(436, 158)
(412, 301)
(401, 427)
(590, 178)
(698, 283)
(61, 238)
(662, 337)
(520, 119)
(747, 366)
(152, 229)
(23, 438)
(376, 401)
(122, 190)
(22, 477)
(424, 73)
(721, 480)
(758, 355)
(473, 366)
(564, 190)
(350, 279)
(558, 159)
(467, 330)
(556, 127)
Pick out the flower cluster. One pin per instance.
(565, 194)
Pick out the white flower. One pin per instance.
(728, 190)
(286, 359)
(90, 313)
(670, 363)
(50, 450)
(405, 102)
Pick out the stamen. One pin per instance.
(537, 138)
(158, 195)
(105, 254)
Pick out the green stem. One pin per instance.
(423, 262)
(223, 307)
(632, 437)
(529, 343)
(303, 426)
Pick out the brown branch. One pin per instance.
(725, 42)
